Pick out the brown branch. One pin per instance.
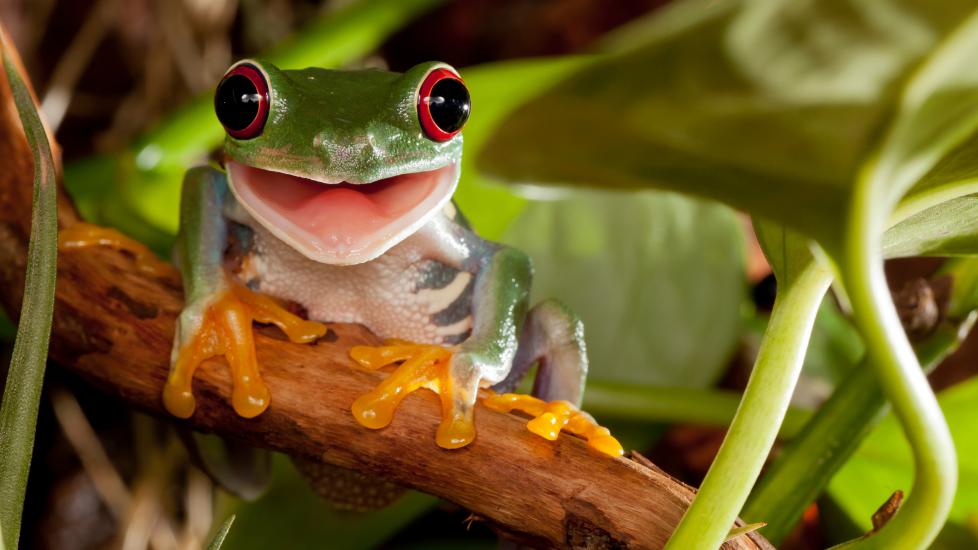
(114, 325)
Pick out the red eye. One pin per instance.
(443, 104)
(241, 102)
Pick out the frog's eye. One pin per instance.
(443, 104)
(241, 101)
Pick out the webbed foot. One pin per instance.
(85, 235)
(550, 418)
(422, 365)
(225, 328)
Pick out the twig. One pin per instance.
(71, 65)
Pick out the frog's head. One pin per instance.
(342, 165)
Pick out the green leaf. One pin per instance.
(884, 462)
(18, 411)
(497, 89)
(947, 229)
(768, 106)
(634, 267)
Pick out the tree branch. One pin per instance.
(114, 326)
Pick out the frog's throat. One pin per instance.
(341, 223)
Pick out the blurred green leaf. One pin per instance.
(769, 106)
(22, 392)
(497, 89)
(884, 462)
(291, 516)
(947, 229)
(634, 267)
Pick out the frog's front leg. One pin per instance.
(499, 306)
(218, 314)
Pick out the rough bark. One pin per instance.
(113, 326)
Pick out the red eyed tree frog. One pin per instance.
(335, 194)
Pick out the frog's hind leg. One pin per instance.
(553, 338)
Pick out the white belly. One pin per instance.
(401, 294)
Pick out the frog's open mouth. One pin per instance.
(341, 223)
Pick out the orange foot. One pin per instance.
(423, 365)
(226, 329)
(84, 235)
(550, 418)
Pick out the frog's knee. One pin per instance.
(556, 322)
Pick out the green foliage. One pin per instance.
(18, 410)
(730, 100)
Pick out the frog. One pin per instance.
(334, 194)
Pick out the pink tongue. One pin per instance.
(338, 216)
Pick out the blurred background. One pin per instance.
(674, 291)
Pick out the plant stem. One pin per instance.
(755, 426)
(805, 467)
(922, 515)
(707, 407)
(22, 393)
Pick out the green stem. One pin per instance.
(924, 512)
(667, 405)
(22, 393)
(802, 471)
(755, 426)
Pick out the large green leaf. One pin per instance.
(769, 106)
(497, 89)
(657, 278)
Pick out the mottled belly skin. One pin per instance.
(401, 294)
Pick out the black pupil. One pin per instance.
(236, 102)
(449, 104)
